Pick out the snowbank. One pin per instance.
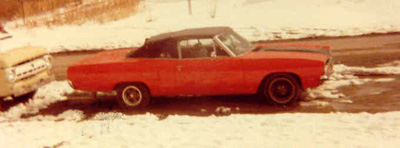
(4, 35)
(46, 95)
(272, 130)
(255, 19)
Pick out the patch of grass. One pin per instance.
(12, 9)
(8, 9)
(58, 12)
(101, 12)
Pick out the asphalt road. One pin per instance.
(367, 51)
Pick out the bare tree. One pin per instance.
(213, 8)
(190, 7)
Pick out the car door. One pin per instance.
(206, 75)
(160, 75)
(157, 67)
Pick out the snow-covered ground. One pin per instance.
(345, 75)
(336, 130)
(255, 19)
(4, 35)
(46, 95)
(113, 129)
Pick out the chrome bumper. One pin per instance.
(23, 87)
(328, 72)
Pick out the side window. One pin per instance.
(168, 49)
(200, 48)
(220, 52)
(161, 49)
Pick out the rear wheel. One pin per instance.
(133, 96)
(281, 89)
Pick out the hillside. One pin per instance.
(255, 19)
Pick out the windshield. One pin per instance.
(236, 43)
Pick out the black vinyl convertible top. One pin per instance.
(206, 32)
(168, 41)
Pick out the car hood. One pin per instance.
(105, 57)
(286, 54)
(295, 47)
(19, 55)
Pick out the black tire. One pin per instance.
(133, 96)
(281, 89)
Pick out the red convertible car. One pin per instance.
(203, 61)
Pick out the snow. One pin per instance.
(384, 70)
(394, 63)
(3, 35)
(254, 19)
(381, 80)
(267, 130)
(46, 95)
(346, 75)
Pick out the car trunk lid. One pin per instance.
(103, 57)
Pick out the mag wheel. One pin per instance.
(133, 96)
(281, 89)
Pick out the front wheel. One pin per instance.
(281, 89)
(133, 96)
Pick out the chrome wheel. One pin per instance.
(132, 96)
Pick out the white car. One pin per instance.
(23, 70)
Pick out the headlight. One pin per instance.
(48, 59)
(10, 73)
